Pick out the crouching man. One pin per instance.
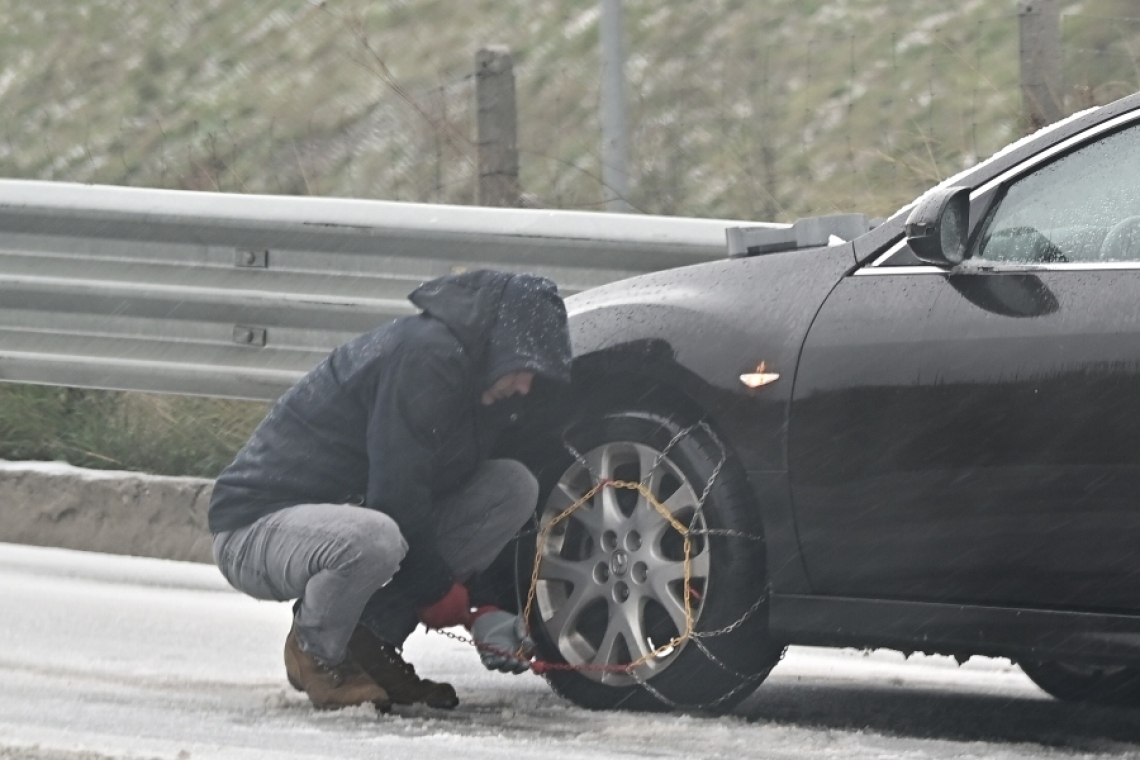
(367, 493)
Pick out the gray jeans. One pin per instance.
(335, 556)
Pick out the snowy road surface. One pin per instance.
(114, 657)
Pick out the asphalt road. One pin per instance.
(112, 657)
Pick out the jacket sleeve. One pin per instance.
(417, 405)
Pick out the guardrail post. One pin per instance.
(1040, 22)
(496, 127)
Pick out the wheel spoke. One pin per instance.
(700, 564)
(604, 514)
(564, 621)
(555, 568)
(625, 624)
(650, 521)
(561, 498)
(601, 461)
(661, 582)
(649, 474)
(591, 518)
(612, 516)
(683, 498)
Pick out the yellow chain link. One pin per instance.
(642, 489)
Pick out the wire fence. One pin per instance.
(758, 125)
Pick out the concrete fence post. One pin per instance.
(496, 127)
(1040, 22)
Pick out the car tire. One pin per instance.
(727, 571)
(1117, 685)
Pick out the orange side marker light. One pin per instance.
(760, 377)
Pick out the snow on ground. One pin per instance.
(105, 657)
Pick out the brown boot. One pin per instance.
(384, 664)
(330, 687)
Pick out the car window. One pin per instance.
(903, 257)
(1085, 206)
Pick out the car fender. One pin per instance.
(694, 331)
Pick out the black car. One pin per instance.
(926, 439)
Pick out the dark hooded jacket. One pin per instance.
(393, 419)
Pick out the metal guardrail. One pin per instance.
(239, 295)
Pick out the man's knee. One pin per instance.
(520, 488)
(375, 544)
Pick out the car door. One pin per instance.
(973, 435)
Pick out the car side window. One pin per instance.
(1083, 207)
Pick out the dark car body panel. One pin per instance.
(672, 329)
(981, 454)
(947, 462)
(686, 311)
(956, 629)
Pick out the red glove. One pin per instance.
(453, 609)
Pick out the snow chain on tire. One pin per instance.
(691, 634)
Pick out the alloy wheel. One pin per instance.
(611, 581)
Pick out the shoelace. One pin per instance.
(340, 672)
(394, 658)
(335, 673)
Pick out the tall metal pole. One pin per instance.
(615, 123)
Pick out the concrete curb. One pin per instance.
(56, 504)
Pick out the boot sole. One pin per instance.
(381, 707)
(449, 704)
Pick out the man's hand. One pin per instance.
(453, 609)
(501, 635)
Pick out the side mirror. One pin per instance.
(936, 229)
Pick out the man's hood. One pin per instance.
(467, 303)
(506, 322)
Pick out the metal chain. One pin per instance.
(720, 664)
(747, 684)
(693, 530)
(653, 692)
(716, 470)
(581, 460)
(736, 623)
(665, 452)
(645, 493)
(727, 532)
(656, 693)
(687, 532)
